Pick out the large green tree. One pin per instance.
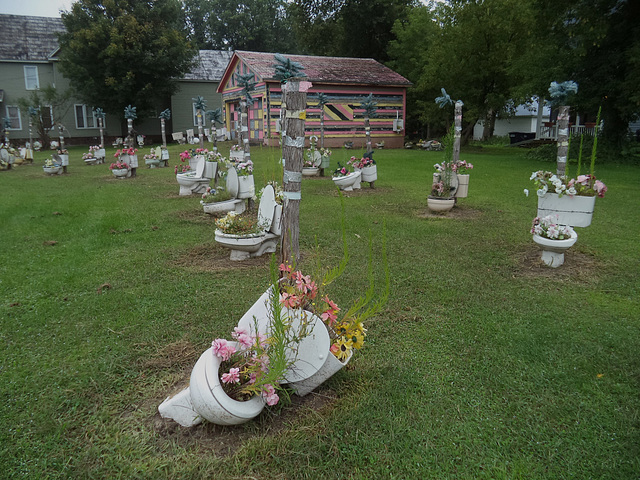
(125, 52)
(258, 25)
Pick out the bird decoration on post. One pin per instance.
(215, 116)
(286, 69)
(246, 81)
(200, 105)
(560, 94)
(164, 116)
(370, 111)
(443, 101)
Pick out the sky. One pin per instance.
(39, 8)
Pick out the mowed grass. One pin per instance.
(484, 364)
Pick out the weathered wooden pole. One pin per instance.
(295, 97)
(458, 131)
(563, 140)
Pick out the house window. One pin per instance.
(31, 81)
(85, 117)
(46, 113)
(13, 114)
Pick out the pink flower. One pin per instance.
(222, 349)
(270, 395)
(232, 377)
(601, 188)
(289, 300)
(583, 179)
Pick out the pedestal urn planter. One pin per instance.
(576, 211)
(440, 204)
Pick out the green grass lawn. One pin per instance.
(485, 363)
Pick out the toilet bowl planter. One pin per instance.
(369, 174)
(553, 250)
(246, 186)
(310, 171)
(131, 160)
(193, 181)
(53, 170)
(121, 172)
(348, 182)
(440, 204)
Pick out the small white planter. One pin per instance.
(246, 186)
(437, 204)
(348, 182)
(64, 160)
(553, 250)
(310, 171)
(232, 205)
(121, 172)
(576, 211)
(463, 186)
(210, 169)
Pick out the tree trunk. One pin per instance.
(101, 124)
(563, 139)
(293, 146)
(539, 116)
(489, 124)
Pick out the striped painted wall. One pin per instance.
(343, 117)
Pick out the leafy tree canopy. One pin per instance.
(125, 52)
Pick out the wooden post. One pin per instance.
(457, 132)
(200, 133)
(293, 145)
(164, 132)
(367, 132)
(563, 140)
(101, 125)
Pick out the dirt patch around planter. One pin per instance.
(459, 212)
(579, 265)
(213, 257)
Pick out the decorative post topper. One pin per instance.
(200, 105)
(443, 101)
(164, 116)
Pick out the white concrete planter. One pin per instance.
(246, 186)
(553, 250)
(370, 173)
(64, 160)
(237, 157)
(463, 186)
(310, 171)
(576, 211)
(437, 204)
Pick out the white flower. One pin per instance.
(571, 191)
(542, 192)
(526, 192)
(533, 175)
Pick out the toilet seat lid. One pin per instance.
(317, 158)
(232, 182)
(200, 168)
(267, 208)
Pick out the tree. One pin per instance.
(125, 52)
(44, 106)
(258, 25)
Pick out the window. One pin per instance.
(31, 81)
(46, 113)
(13, 114)
(85, 117)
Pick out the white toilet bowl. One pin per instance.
(553, 250)
(348, 182)
(193, 182)
(255, 245)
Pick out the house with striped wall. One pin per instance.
(345, 81)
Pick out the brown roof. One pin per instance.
(30, 39)
(361, 71)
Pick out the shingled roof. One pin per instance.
(340, 70)
(28, 39)
(211, 65)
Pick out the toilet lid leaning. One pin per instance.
(232, 182)
(267, 208)
(200, 168)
